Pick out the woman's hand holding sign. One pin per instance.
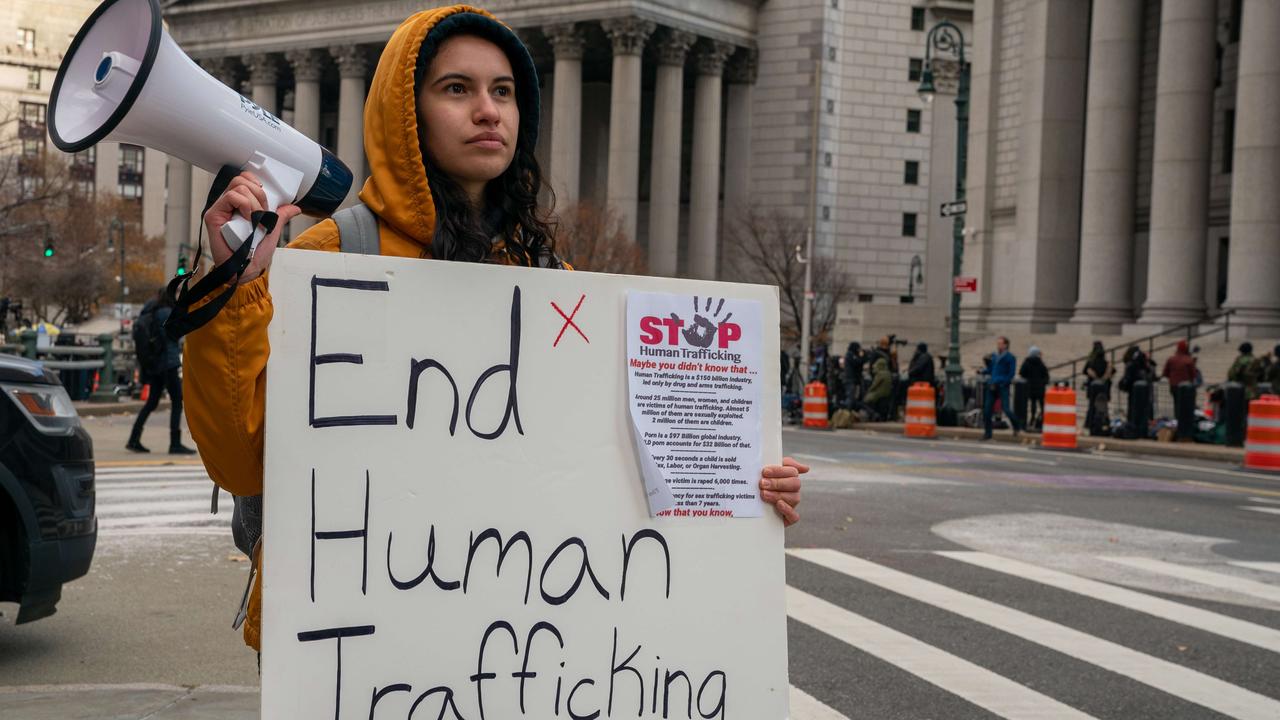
(780, 487)
(244, 196)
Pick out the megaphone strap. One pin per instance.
(183, 320)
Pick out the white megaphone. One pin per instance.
(125, 80)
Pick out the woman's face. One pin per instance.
(467, 112)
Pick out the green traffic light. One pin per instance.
(48, 251)
(182, 271)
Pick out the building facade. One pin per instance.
(36, 35)
(1124, 165)
(678, 116)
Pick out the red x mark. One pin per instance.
(568, 321)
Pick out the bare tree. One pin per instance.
(591, 238)
(767, 247)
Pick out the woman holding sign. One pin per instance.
(450, 126)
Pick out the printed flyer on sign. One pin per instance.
(694, 374)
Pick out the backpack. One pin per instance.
(148, 340)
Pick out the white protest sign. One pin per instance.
(456, 522)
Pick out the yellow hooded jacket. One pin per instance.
(226, 360)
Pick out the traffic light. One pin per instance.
(48, 249)
(182, 265)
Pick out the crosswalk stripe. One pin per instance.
(958, 676)
(1228, 627)
(1198, 575)
(806, 707)
(1174, 679)
(147, 520)
(1271, 567)
(126, 469)
(1273, 511)
(155, 491)
(203, 484)
(119, 477)
(140, 509)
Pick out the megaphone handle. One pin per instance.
(280, 183)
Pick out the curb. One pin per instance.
(1187, 451)
(130, 407)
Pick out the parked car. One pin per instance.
(47, 525)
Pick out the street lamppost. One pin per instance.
(945, 39)
(117, 228)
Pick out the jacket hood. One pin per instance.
(397, 190)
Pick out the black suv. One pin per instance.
(47, 526)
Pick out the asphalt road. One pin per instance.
(935, 580)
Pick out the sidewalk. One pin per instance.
(109, 425)
(129, 702)
(1150, 448)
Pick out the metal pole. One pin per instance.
(117, 228)
(806, 312)
(954, 399)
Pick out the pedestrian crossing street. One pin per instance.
(159, 500)
(174, 500)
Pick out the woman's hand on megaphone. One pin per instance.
(245, 196)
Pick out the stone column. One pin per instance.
(628, 36)
(1104, 300)
(1180, 165)
(353, 66)
(566, 113)
(704, 183)
(741, 76)
(177, 213)
(664, 175)
(1034, 268)
(264, 73)
(106, 170)
(1253, 266)
(308, 66)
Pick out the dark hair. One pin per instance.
(462, 231)
(1246, 348)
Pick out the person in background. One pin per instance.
(880, 395)
(1273, 371)
(1180, 367)
(1036, 373)
(784, 366)
(920, 369)
(1003, 367)
(835, 384)
(160, 375)
(1245, 370)
(1098, 374)
(854, 359)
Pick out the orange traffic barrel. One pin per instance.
(1059, 428)
(815, 405)
(1262, 443)
(922, 411)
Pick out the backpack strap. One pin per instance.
(358, 230)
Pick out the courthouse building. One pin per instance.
(1124, 165)
(677, 114)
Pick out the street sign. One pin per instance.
(965, 284)
(956, 207)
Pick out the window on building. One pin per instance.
(917, 18)
(33, 78)
(1237, 10)
(826, 212)
(865, 297)
(831, 107)
(32, 147)
(835, 4)
(908, 224)
(826, 159)
(84, 188)
(913, 121)
(29, 186)
(131, 168)
(1228, 140)
(911, 172)
(31, 113)
(831, 53)
(914, 68)
(27, 39)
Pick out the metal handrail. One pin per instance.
(1150, 341)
